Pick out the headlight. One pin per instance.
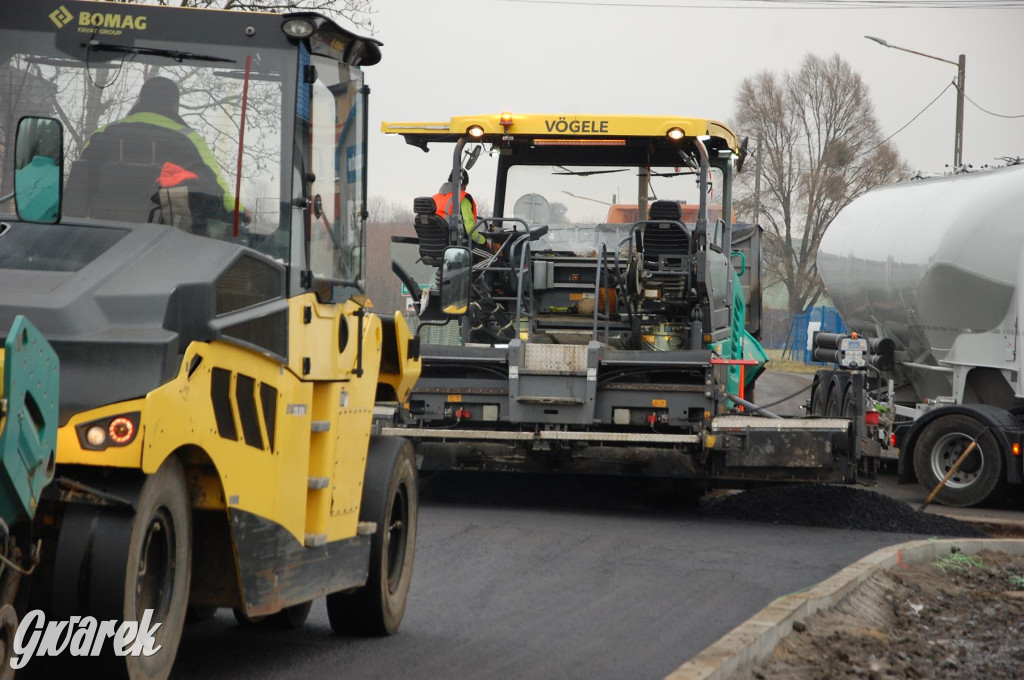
(298, 28)
(117, 430)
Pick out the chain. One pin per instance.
(800, 391)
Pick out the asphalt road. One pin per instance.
(521, 577)
(773, 386)
(563, 588)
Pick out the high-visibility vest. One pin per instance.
(187, 133)
(442, 203)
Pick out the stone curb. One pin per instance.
(756, 638)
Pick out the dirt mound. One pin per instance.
(834, 507)
(957, 617)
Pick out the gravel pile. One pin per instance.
(834, 507)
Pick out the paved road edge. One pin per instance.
(756, 637)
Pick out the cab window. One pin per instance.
(335, 196)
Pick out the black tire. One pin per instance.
(246, 621)
(834, 402)
(979, 479)
(849, 409)
(390, 500)
(8, 630)
(291, 618)
(819, 393)
(114, 565)
(198, 614)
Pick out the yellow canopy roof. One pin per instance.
(560, 126)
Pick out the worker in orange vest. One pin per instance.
(443, 202)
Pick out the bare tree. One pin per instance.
(386, 211)
(356, 12)
(819, 148)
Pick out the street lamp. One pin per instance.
(958, 141)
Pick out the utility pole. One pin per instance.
(757, 181)
(958, 149)
(961, 67)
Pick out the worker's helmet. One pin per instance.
(465, 177)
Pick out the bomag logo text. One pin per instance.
(105, 23)
(576, 126)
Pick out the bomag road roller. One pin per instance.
(183, 221)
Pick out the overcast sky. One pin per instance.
(460, 57)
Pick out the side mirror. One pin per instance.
(456, 268)
(471, 155)
(38, 169)
(743, 154)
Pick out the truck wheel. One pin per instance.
(390, 500)
(834, 403)
(818, 393)
(849, 404)
(979, 478)
(115, 565)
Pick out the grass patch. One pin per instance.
(787, 365)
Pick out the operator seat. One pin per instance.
(664, 233)
(431, 230)
(114, 190)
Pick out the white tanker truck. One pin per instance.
(935, 266)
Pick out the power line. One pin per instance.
(795, 4)
(981, 108)
(865, 153)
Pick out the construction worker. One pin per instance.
(154, 135)
(443, 202)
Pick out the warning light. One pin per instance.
(1015, 447)
(871, 417)
(505, 120)
(121, 430)
(579, 142)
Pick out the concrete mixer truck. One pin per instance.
(932, 268)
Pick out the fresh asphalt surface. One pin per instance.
(550, 578)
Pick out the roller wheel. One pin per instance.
(111, 564)
(8, 629)
(980, 478)
(390, 500)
